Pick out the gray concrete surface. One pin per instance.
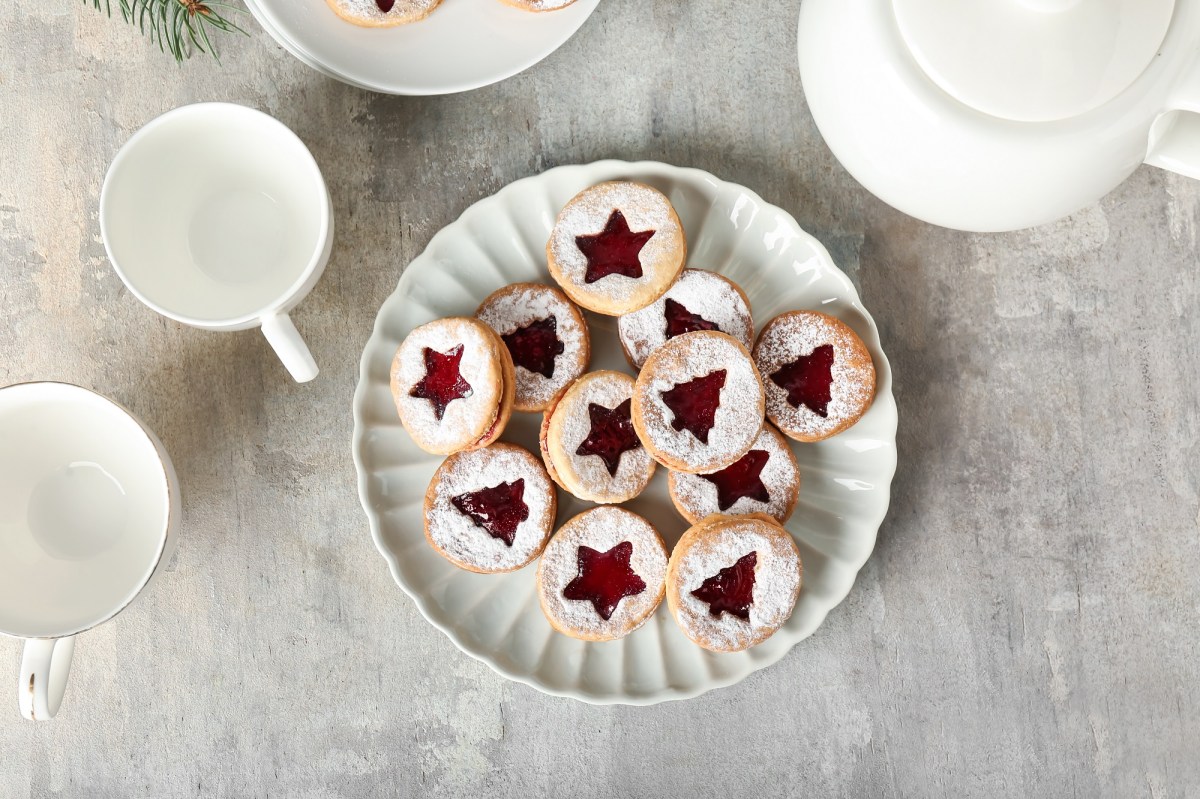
(1028, 625)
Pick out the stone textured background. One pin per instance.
(1029, 623)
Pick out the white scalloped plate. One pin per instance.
(461, 45)
(496, 618)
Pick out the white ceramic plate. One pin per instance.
(463, 44)
(496, 618)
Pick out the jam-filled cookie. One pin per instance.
(490, 510)
(699, 300)
(602, 574)
(589, 442)
(733, 581)
(540, 5)
(382, 13)
(543, 439)
(698, 402)
(453, 383)
(817, 373)
(546, 336)
(764, 480)
(616, 247)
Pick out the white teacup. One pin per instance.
(216, 215)
(89, 512)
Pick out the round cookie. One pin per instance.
(382, 13)
(602, 574)
(765, 480)
(453, 384)
(490, 510)
(817, 373)
(546, 336)
(616, 247)
(733, 581)
(589, 443)
(543, 435)
(699, 300)
(698, 402)
(540, 5)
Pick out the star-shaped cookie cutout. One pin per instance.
(605, 578)
(741, 479)
(535, 346)
(611, 435)
(443, 382)
(614, 250)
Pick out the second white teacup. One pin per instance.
(89, 514)
(216, 215)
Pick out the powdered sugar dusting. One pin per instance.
(463, 541)
(698, 498)
(512, 308)
(542, 5)
(401, 11)
(703, 553)
(704, 293)
(791, 335)
(644, 208)
(738, 419)
(587, 475)
(479, 367)
(602, 528)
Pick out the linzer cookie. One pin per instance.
(453, 384)
(817, 373)
(698, 402)
(382, 13)
(764, 480)
(589, 442)
(733, 581)
(540, 5)
(616, 247)
(602, 574)
(699, 300)
(490, 510)
(546, 336)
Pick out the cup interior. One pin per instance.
(84, 509)
(214, 213)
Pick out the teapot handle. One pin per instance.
(1174, 142)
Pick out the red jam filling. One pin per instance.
(605, 578)
(385, 5)
(442, 383)
(731, 590)
(680, 320)
(695, 403)
(499, 510)
(611, 436)
(808, 380)
(614, 250)
(742, 479)
(535, 346)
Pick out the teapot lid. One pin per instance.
(1034, 60)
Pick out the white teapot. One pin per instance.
(991, 115)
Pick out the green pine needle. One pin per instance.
(178, 26)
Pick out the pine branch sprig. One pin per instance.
(180, 27)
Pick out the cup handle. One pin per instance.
(1174, 142)
(285, 339)
(45, 665)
